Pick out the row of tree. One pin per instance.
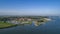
(4, 19)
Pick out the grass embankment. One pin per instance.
(6, 25)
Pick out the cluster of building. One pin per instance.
(26, 20)
(19, 20)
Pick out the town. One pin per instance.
(22, 20)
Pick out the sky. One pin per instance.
(29, 7)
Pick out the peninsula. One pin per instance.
(9, 21)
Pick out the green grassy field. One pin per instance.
(6, 25)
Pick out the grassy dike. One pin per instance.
(6, 25)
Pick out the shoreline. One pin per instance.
(9, 26)
(35, 23)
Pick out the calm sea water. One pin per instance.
(52, 27)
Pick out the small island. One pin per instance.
(10, 21)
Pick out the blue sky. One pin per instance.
(29, 7)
